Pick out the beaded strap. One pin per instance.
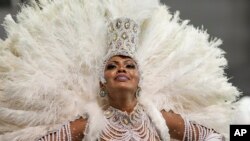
(62, 134)
(197, 132)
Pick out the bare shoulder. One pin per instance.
(171, 116)
(78, 127)
(80, 120)
(175, 124)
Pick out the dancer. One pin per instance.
(111, 70)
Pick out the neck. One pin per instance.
(123, 101)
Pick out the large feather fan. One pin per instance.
(49, 65)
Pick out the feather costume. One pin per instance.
(49, 66)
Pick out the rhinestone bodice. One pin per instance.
(121, 126)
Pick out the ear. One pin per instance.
(101, 85)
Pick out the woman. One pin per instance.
(125, 117)
(62, 63)
(122, 75)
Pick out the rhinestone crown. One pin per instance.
(122, 37)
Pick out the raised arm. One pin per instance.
(71, 131)
(182, 129)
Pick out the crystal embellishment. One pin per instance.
(121, 126)
(124, 35)
(127, 24)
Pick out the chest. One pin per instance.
(120, 126)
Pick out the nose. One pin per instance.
(121, 70)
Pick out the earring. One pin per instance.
(137, 93)
(102, 93)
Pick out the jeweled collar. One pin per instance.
(121, 126)
(125, 118)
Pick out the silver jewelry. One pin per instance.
(137, 93)
(102, 93)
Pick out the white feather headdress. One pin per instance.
(49, 65)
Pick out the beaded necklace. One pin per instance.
(121, 126)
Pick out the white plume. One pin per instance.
(49, 64)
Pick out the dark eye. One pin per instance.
(110, 66)
(130, 66)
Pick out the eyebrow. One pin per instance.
(128, 60)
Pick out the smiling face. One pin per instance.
(121, 73)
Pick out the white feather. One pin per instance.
(49, 65)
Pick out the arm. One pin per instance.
(175, 124)
(72, 131)
(185, 130)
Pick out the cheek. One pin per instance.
(108, 75)
(136, 76)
